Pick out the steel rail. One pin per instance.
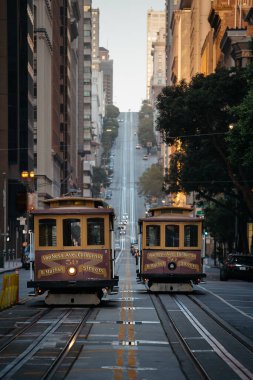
(49, 374)
(184, 350)
(19, 331)
(10, 369)
(218, 348)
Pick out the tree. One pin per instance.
(145, 127)
(220, 222)
(110, 129)
(111, 111)
(151, 182)
(197, 117)
(99, 178)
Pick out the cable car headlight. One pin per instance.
(72, 271)
(172, 265)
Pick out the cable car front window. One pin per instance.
(47, 232)
(190, 235)
(153, 236)
(71, 232)
(95, 231)
(171, 235)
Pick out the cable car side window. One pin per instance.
(153, 236)
(47, 232)
(172, 235)
(71, 232)
(190, 235)
(95, 231)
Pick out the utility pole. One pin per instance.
(5, 209)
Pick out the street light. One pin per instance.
(26, 175)
(5, 210)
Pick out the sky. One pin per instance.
(123, 31)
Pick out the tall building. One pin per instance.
(158, 79)
(55, 125)
(228, 44)
(95, 36)
(155, 22)
(180, 49)
(87, 99)
(43, 98)
(98, 98)
(171, 6)
(20, 26)
(106, 65)
(4, 173)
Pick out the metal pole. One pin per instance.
(5, 210)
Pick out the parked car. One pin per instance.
(145, 157)
(237, 266)
(138, 146)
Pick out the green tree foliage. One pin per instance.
(240, 138)
(198, 115)
(110, 129)
(111, 111)
(145, 127)
(151, 182)
(220, 222)
(99, 178)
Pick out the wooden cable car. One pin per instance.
(74, 254)
(170, 241)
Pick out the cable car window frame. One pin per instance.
(196, 237)
(103, 225)
(154, 226)
(53, 233)
(74, 240)
(177, 237)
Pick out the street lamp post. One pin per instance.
(5, 210)
(28, 178)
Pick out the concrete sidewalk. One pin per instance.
(11, 265)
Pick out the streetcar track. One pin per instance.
(174, 337)
(20, 330)
(216, 346)
(27, 354)
(236, 334)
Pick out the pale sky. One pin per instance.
(123, 31)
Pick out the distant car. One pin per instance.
(108, 194)
(138, 146)
(237, 266)
(122, 230)
(145, 157)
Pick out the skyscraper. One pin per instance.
(155, 22)
(106, 65)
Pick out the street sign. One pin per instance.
(199, 212)
(22, 221)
